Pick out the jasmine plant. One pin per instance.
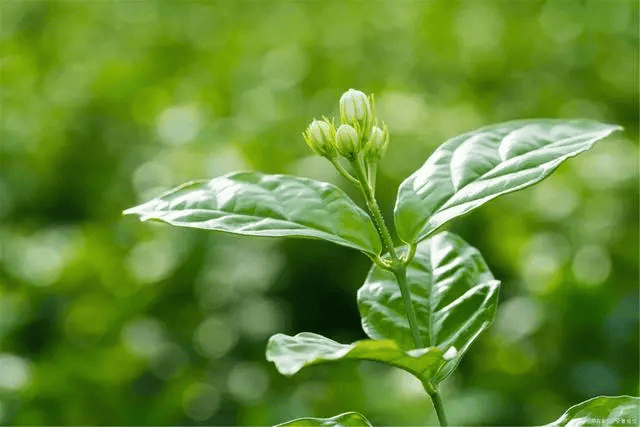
(424, 302)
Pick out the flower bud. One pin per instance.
(320, 136)
(356, 110)
(377, 144)
(347, 141)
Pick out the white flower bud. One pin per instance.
(356, 109)
(347, 141)
(320, 136)
(378, 142)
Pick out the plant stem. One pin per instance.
(400, 271)
(398, 268)
(371, 173)
(437, 404)
(336, 163)
(374, 210)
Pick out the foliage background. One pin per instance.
(105, 320)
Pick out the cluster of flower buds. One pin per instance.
(356, 134)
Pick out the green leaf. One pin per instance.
(291, 354)
(349, 419)
(469, 170)
(266, 205)
(453, 292)
(602, 411)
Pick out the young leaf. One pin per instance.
(291, 354)
(469, 170)
(602, 411)
(453, 292)
(255, 204)
(349, 419)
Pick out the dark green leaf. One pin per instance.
(453, 292)
(602, 411)
(349, 419)
(291, 354)
(469, 170)
(266, 205)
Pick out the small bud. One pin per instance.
(320, 136)
(378, 142)
(347, 141)
(356, 109)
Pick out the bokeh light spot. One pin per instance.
(40, 258)
(248, 381)
(541, 261)
(260, 318)
(214, 338)
(143, 337)
(591, 265)
(519, 317)
(555, 200)
(246, 267)
(152, 261)
(179, 124)
(15, 372)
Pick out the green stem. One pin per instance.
(437, 404)
(336, 163)
(374, 210)
(398, 267)
(401, 276)
(371, 169)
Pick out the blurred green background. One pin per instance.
(105, 104)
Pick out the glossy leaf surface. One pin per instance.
(602, 411)
(469, 170)
(349, 419)
(291, 354)
(453, 292)
(256, 204)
